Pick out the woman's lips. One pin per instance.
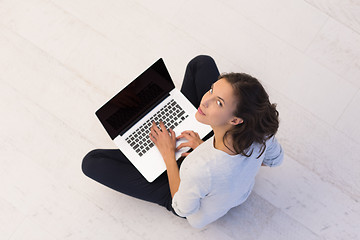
(201, 112)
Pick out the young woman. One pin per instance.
(218, 174)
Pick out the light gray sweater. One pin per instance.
(212, 181)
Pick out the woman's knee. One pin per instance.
(201, 60)
(90, 162)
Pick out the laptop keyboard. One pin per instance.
(171, 115)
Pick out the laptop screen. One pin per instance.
(136, 99)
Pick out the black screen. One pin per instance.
(136, 99)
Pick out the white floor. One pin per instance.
(60, 60)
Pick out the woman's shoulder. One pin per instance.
(269, 143)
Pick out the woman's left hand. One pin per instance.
(164, 140)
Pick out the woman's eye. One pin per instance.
(211, 90)
(219, 103)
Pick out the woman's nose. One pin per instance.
(205, 103)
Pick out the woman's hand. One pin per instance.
(164, 140)
(193, 141)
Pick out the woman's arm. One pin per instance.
(165, 141)
(173, 174)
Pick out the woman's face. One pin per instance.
(218, 105)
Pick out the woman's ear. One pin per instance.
(237, 121)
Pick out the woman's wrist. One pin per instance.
(169, 159)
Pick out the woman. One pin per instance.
(219, 173)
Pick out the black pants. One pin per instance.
(110, 166)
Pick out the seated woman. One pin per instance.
(218, 174)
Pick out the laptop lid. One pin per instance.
(135, 100)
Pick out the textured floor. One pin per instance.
(60, 60)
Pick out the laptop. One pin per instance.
(127, 118)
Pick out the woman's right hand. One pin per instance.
(193, 141)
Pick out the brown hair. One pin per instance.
(261, 119)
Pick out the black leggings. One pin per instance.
(110, 166)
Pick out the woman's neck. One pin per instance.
(219, 144)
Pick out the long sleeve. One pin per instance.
(274, 153)
(194, 185)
